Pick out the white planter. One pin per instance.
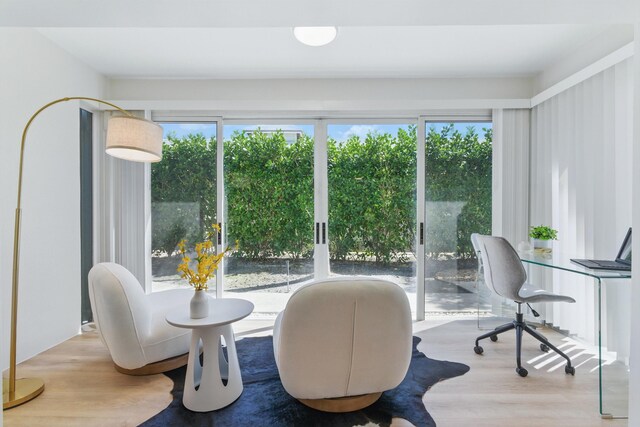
(541, 246)
(199, 306)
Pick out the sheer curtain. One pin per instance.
(510, 213)
(581, 165)
(122, 212)
(510, 187)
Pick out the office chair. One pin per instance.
(505, 275)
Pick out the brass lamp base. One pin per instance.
(26, 389)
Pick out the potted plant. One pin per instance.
(541, 237)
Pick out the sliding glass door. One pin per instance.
(313, 199)
(372, 201)
(269, 190)
(458, 163)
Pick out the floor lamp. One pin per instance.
(129, 138)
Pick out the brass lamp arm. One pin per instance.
(41, 109)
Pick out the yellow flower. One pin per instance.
(207, 260)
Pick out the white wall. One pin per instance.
(321, 96)
(634, 379)
(34, 71)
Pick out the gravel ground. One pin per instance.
(280, 275)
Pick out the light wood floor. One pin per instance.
(83, 388)
(491, 394)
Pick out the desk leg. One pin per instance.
(606, 410)
(212, 393)
(602, 414)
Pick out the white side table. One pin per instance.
(213, 393)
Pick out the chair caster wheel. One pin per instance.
(522, 372)
(569, 370)
(478, 349)
(493, 338)
(544, 347)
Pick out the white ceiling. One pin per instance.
(431, 51)
(377, 38)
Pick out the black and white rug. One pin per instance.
(264, 402)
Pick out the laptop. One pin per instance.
(622, 262)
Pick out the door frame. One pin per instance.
(321, 193)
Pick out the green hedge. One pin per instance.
(269, 190)
(372, 192)
(458, 180)
(183, 191)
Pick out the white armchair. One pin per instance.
(132, 325)
(341, 342)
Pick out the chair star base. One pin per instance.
(521, 326)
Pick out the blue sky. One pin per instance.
(344, 132)
(338, 132)
(184, 129)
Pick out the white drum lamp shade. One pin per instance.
(135, 139)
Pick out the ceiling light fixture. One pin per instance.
(315, 36)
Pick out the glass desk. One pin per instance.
(615, 383)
